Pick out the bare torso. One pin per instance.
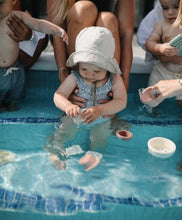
(168, 33)
(8, 48)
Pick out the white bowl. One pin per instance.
(161, 147)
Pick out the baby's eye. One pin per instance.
(96, 71)
(176, 7)
(165, 8)
(83, 69)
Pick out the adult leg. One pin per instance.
(110, 21)
(82, 14)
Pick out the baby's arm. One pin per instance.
(61, 97)
(117, 104)
(154, 44)
(42, 25)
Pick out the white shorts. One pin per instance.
(159, 72)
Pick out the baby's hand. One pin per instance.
(167, 50)
(72, 110)
(62, 33)
(91, 114)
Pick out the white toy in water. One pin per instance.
(78, 120)
(6, 157)
(161, 147)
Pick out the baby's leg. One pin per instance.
(59, 164)
(56, 141)
(99, 134)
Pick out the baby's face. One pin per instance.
(170, 9)
(91, 72)
(6, 7)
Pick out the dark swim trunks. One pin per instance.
(106, 5)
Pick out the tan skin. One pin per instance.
(83, 14)
(20, 32)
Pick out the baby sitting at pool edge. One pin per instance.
(11, 73)
(97, 74)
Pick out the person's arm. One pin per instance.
(42, 25)
(168, 88)
(61, 97)
(154, 44)
(59, 47)
(116, 104)
(126, 17)
(19, 31)
(60, 57)
(156, 94)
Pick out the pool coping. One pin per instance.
(47, 62)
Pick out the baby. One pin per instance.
(158, 44)
(11, 73)
(97, 74)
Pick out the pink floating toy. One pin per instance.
(124, 134)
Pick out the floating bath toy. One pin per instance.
(90, 160)
(124, 134)
(78, 120)
(161, 147)
(74, 150)
(6, 157)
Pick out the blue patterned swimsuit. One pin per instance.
(93, 95)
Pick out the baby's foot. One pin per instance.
(90, 160)
(6, 157)
(59, 164)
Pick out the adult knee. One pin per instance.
(83, 12)
(108, 20)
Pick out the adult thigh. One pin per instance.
(82, 14)
(110, 21)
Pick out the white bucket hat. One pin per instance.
(95, 45)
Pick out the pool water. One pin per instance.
(127, 173)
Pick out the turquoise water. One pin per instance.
(127, 174)
(126, 167)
